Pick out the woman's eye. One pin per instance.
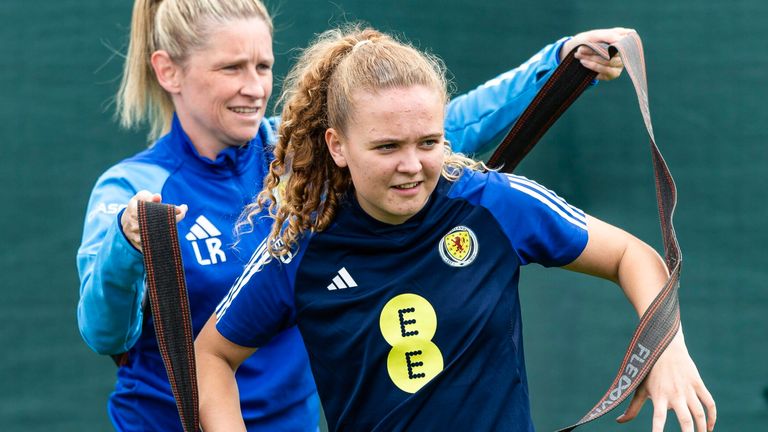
(385, 147)
(429, 143)
(264, 67)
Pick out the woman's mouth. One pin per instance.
(244, 110)
(406, 186)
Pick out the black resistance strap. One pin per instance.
(661, 320)
(169, 305)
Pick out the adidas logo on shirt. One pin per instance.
(203, 231)
(342, 280)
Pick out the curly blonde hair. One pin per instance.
(304, 186)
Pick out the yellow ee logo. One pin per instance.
(408, 323)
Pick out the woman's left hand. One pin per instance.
(606, 69)
(674, 383)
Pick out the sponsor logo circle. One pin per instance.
(408, 323)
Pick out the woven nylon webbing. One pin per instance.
(661, 320)
(167, 293)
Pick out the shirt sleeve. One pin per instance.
(476, 121)
(541, 226)
(111, 270)
(260, 303)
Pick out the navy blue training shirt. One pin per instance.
(414, 326)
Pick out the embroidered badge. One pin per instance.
(459, 247)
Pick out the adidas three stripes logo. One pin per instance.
(342, 280)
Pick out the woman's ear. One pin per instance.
(333, 141)
(167, 72)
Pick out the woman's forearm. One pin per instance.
(612, 253)
(641, 274)
(217, 360)
(219, 395)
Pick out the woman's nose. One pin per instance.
(409, 161)
(253, 85)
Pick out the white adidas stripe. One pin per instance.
(338, 283)
(347, 277)
(208, 226)
(197, 232)
(556, 199)
(559, 206)
(256, 262)
(202, 229)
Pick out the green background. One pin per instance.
(706, 61)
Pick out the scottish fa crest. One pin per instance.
(459, 247)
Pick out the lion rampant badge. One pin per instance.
(459, 247)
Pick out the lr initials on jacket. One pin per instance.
(203, 231)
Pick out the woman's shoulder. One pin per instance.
(140, 171)
(466, 182)
(503, 191)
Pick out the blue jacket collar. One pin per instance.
(231, 161)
